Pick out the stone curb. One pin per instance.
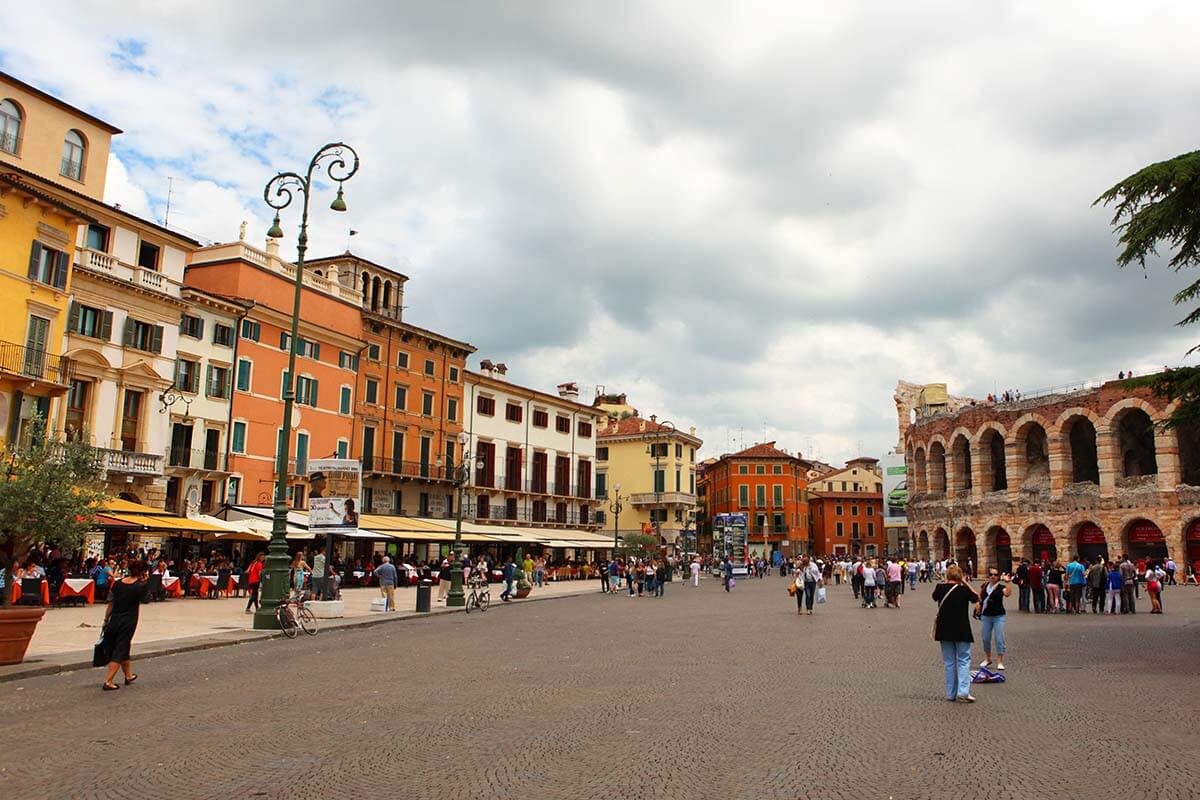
(82, 659)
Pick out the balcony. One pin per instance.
(51, 371)
(105, 264)
(234, 251)
(497, 513)
(541, 486)
(415, 470)
(186, 458)
(662, 499)
(127, 462)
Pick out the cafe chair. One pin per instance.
(222, 585)
(31, 592)
(154, 588)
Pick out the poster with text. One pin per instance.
(895, 491)
(334, 494)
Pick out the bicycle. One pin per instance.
(479, 597)
(293, 616)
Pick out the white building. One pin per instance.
(538, 453)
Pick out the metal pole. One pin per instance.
(456, 598)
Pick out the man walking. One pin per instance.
(509, 572)
(1075, 582)
(1023, 587)
(604, 587)
(253, 578)
(318, 573)
(660, 578)
(695, 572)
(1128, 581)
(728, 572)
(387, 576)
(1037, 591)
(1097, 578)
(1171, 573)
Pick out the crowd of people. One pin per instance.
(1107, 586)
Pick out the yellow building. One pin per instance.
(655, 467)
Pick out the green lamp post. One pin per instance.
(340, 162)
(461, 475)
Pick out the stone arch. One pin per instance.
(989, 450)
(941, 544)
(1088, 540)
(923, 545)
(936, 466)
(387, 295)
(1189, 540)
(1039, 543)
(960, 481)
(375, 293)
(1029, 453)
(366, 288)
(1077, 430)
(1143, 540)
(1132, 432)
(966, 551)
(919, 471)
(997, 548)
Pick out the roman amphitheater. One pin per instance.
(1090, 473)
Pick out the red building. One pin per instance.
(846, 510)
(770, 485)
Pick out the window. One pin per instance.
(347, 360)
(601, 485)
(778, 523)
(454, 376)
(306, 391)
(218, 382)
(743, 496)
(402, 360)
(692, 454)
(148, 256)
(429, 367)
(583, 515)
(48, 266)
(870, 529)
(585, 430)
(541, 419)
(97, 238)
(222, 335)
(486, 406)
(841, 531)
(10, 126)
(691, 483)
(427, 403)
(843, 486)
(678, 481)
(854, 529)
(512, 412)
(510, 508)
(401, 398)
(251, 330)
(88, 321)
(344, 398)
(760, 496)
(452, 409)
(187, 375)
(72, 156)
(658, 450)
(562, 424)
(304, 347)
(777, 469)
(839, 509)
(191, 326)
(372, 352)
(232, 489)
(483, 507)
(602, 454)
(77, 408)
(143, 336)
(660, 480)
(743, 469)
(854, 510)
(243, 374)
(760, 469)
(343, 449)
(777, 498)
(237, 442)
(301, 453)
(372, 393)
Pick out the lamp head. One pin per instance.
(275, 232)
(339, 202)
(462, 437)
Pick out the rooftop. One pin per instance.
(55, 101)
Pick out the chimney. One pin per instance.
(569, 391)
(654, 417)
(486, 366)
(502, 369)
(692, 431)
(272, 248)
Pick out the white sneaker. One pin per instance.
(984, 663)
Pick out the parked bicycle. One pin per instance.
(479, 597)
(293, 616)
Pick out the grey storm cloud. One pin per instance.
(754, 217)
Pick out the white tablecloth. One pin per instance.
(78, 584)
(169, 582)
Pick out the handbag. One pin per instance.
(101, 651)
(820, 595)
(937, 616)
(791, 590)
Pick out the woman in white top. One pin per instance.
(808, 578)
(868, 572)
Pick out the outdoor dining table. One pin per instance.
(172, 586)
(203, 584)
(78, 587)
(45, 592)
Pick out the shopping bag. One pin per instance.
(101, 652)
(985, 675)
(820, 595)
(732, 583)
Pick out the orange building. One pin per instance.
(330, 321)
(770, 485)
(846, 510)
(408, 409)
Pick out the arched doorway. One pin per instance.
(1001, 549)
(1041, 544)
(923, 543)
(1192, 539)
(1090, 542)
(1145, 542)
(941, 544)
(965, 552)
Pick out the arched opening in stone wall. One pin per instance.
(919, 470)
(923, 543)
(1192, 542)
(965, 552)
(937, 468)
(1001, 548)
(1189, 454)
(1090, 543)
(1135, 440)
(941, 544)
(1144, 542)
(992, 451)
(1039, 544)
(960, 454)
(1037, 455)
(1081, 436)
(376, 290)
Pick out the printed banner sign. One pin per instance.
(334, 494)
(895, 491)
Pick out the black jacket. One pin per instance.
(954, 616)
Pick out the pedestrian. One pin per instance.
(1170, 573)
(728, 569)
(253, 579)
(318, 573)
(1076, 573)
(660, 578)
(1154, 588)
(992, 615)
(386, 575)
(895, 582)
(1128, 582)
(604, 584)
(856, 577)
(510, 575)
(868, 587)
(695, 572)
(1023, 586)
(1113, 582)
(808, 579)
(1097, 577)
(1037, 592)
(1054, 587)
(952, 630)
(120, 623)
(912, 575)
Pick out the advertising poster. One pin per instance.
(895, 491)
(334, 494)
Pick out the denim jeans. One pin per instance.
(1023, 598)
(993, 625)
(912, 580)
(1039, 601)
(868, 594)
(956, 658)
(810, 591)
(658, 588)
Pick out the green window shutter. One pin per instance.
(243, 375)
(345, 406)
(283, 340)
(239, 437)
(283, 384)
(312, 392)
(316, 351)
(35, 257)
(156, 337)
(106, 327)
(182, 322)
(73, 318)
(62, 267)
(195, 383)
(208, 381)
(200, 328)
(127, 339)
(179, 373)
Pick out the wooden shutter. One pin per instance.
(283, 383)
(200, 327)
(106, 326)
(127, 338)
(62, 265)
(73, 317)
(156, 337)
(35, 256)
(312, 392)
(178, 373)
(208, 380)
(283, 340)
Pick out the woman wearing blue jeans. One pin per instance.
(991, 612)
(952, 630)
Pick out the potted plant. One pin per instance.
(524, 587)
(49, 493)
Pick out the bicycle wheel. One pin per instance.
(483, 600)
(470, 602)
(287, 622)
(308, 621)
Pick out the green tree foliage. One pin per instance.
(639, 545)
(50, 493)
(1160, 204)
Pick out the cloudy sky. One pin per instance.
(751, 217)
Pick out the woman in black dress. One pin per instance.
(120, 622)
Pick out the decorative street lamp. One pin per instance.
(655, 436)
(615, 506)
(461, 475)
(340, 162)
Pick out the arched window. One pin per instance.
(387, 295)
(10, 126)
(72, 158)
(366, 288)
(375, 292)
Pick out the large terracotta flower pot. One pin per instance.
(522, 593)
(16, 629)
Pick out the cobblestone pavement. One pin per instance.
(701, 694)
